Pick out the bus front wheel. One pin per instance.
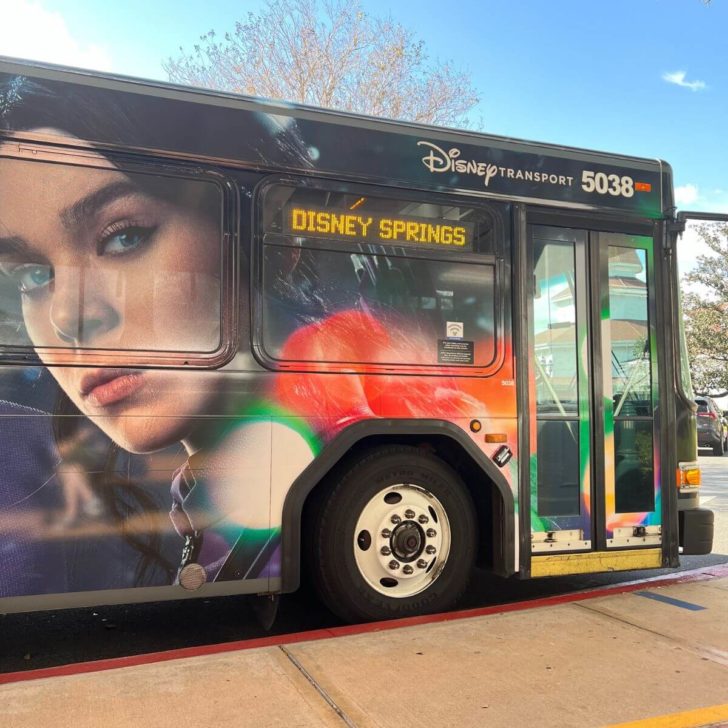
(394, 537)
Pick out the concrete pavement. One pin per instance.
(639, 653)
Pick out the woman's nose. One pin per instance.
(80, 312)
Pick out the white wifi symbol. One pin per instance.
(454, 329)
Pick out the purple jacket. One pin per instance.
(28, 491)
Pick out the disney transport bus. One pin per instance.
(242, 341)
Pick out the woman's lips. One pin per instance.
(109, 386)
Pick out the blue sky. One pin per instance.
(581, 73)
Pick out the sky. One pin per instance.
(640, 77)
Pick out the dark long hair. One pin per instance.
(97, 116)
(122, 498)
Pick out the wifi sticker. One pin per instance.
(455, 330)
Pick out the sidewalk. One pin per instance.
(641, 654)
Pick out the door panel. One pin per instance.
(630, 392)
(593, 378)
(561, 476)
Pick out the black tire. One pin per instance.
(330, 535)
(718, 449)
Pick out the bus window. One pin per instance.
(425, 268)
(127, 267)
(631, 366)
(557, 378)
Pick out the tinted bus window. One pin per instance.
(418, 278)
(108, 260)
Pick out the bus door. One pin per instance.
(594, 465)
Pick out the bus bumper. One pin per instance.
(696, 531)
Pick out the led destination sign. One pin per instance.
(366, 227)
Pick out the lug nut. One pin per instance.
(407, 570)
(409, 513)
(386, 533)
(394, 565)
(430, 550)
(431, 533)
(385, 551)
(421, 564)
(423, 519)
(395, 519)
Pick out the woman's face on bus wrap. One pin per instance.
(107, 260)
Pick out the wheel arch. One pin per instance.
(450, 442)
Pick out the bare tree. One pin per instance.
(705, 305)
(329, 53)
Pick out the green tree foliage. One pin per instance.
(705, 306)
(329, 53)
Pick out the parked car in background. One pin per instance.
(712, 426)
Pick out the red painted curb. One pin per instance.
(703, 574)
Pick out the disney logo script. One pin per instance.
(439, 160)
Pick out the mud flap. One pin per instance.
(696, 531)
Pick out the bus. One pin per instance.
(243, 341)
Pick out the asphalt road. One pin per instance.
(714, 495)
(43, 639)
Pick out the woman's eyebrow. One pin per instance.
(79, 212)
(13, 245)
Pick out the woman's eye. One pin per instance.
(124, 240)
(32, 277)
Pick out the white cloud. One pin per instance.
(678, 78)
(30, 31)
(686, 194)
(689, 247)
(691, 196)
